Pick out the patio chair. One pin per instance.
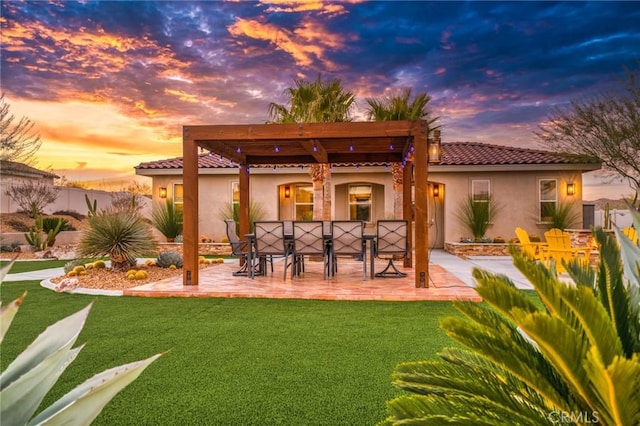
(560, 251)
(346, 240)
(308, 239)
(631, 233)
(391, 242)
(238, 248)
(534, 250)
(270, 242)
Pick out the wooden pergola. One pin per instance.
(273, 144)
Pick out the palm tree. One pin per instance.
(570, 356)
(316, 102)
(399, 107)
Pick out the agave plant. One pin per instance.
(121, 235)
(573, 359)
(26, 381)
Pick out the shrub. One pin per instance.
(18, 225)
(33, 197)
(477, 215)
(577, 351)
(74, 214)
(167, 258)
(126, 202)
(122, 236)
(167, 219)
(230, 211)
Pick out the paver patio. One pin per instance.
(347, 284)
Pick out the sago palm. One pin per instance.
(121, 235)
(573, 359)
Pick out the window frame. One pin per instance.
(368, 203)
(178, 202)
(546, 201)
(480, 198)
(297, 203)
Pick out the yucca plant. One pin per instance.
(562, 215)
(230, 211)
(167, 219)
(574, 359)
(477, 215)
(121, 235)
(26, 381)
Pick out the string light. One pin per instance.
(238, 149)
(275, 169)
(391, 147)
(276, 149)
(351, 148)
(315, 147)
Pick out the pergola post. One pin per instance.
(243, 213)
(421, 159)
(407, 209)
(190, 266)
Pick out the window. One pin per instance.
(548, 198)
(360, 202)
(480, 190)
(178, 196)
(235, 198)
(303, 199)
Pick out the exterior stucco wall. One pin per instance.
(516, 191)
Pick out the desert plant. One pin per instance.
(562, 215)
(26, 381)
(167, 258)
(38, 238)
(74, 214)
(123, 201)
(477, 215)
(167, 219)
(33, 197)
(575, 359)
(122, 236)
(70, 265)
(92, 207)
(49, 223)
(230, 211)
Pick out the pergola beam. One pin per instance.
(316, 149)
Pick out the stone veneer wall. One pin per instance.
(481, 249)
(219, 249)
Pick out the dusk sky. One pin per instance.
(110, 84)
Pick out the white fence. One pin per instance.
(621, 218)
(70, 199)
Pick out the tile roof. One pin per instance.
(19, 169)
(453, 154)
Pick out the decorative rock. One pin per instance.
(45, 254)
(64, 253)
(67, 284)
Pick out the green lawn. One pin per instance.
(237, 361)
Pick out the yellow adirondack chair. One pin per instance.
(531, 249)
(631, 233)
(559, 249)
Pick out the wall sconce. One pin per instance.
(434, 148)
(436, 190)
(162, 192)
(287, 192)
(571, 189)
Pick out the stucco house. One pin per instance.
(522, 181)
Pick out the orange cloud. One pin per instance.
(291, 6)
(304, 44)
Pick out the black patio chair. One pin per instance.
(308, 239)
(346, 240)
(391, 242)
(270, 242)
(238, 248)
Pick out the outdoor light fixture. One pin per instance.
(571, 189)
(435, 152)
(287, 192)
(436, 190)
(162, 192)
